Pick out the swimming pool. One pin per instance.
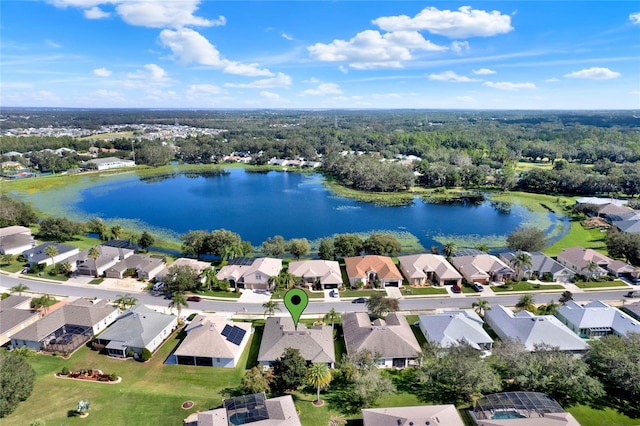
(501, 415)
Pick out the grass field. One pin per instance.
(589, 416)
(578, 236)
(600, 284)
(418, 291)
(526, 286)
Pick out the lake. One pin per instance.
(260, 205)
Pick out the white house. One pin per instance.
(596, 319)
(111, 163)
(449, 328)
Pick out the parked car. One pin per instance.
(168, 296)
(477, 287)
(456, 288)
(194, 299)
(633, 294)
(360, 300)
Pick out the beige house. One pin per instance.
(482, 268)
(146, 267)
(15, 315)
(586, 262)
(108, 258)
(197, 265)
(15, 239)
(251, 274)
(434, 415)
(372, 269)
(428, 269)
(326, 273)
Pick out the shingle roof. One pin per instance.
(37, 254)
(450, 327)
(392, 338)
(540, 262)
(436, 415)
(598, 314)
(11, 315)
(138, 326)
(315, 344)
(416, 266)
(204, 338)
(327, 270)
(357, 267)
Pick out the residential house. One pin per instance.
(533, 330)
(110, 163)
(213, 341)
(37, 255)
(392, 340)
(541, 265)
(621, 269)
(607, 210)
(372, 270)
(254, 409)
(434, 415)
(314, 343)
(633, 309)
(15, 315)
(252, 274)
(450, 328)
(109, 257)
(137, 329)
(589, 262)
(482, 268)
(197, 265)
(600, 201)
(596, 319)
(15, 240)
(325, 273)
(145, 267)
(630, 226)
(427, 269)
(68, 327)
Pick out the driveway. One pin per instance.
(393, 292)
(254, 296)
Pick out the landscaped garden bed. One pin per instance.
(91, 375)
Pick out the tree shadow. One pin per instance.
(73, 413)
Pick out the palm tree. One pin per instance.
(43, 303)
(116, 230)
(123, 302)
(18, 288)
(565, 297)
(550, 308)
(448, 249)
(332, 316)
(519, 261)
(337, 421)
(6, 259)
(270, 307)
(51, 251)
(94, 253)
(591, 267)
(526, 303)
(209, 276)
(318, 375)
(481, 306)
(178, 302)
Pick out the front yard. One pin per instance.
(526, 286)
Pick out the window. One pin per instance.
(258, 277)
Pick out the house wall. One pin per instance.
(6, 336)
(97, 328)
(157, 341)
(28, 343)
(16, 250)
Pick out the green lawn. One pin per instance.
(279, 294)
(599, 284)
(416, 291)
(526, 286)
(578, 236)
(589, 416)
(13, 266)
(357, 293)
(226, 294)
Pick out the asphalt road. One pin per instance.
(406, 304)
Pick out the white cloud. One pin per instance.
(96, 13)
(269, 95)
(484, 71)
(635, 17)
(280, 80)
(249, 70)
(203, 89)
(460, 46)
(286, 36)
(552, 80)
(505, 85)
(323, 89)
(53, 44)
(370, 49)
(101, 72)
(343, 69)
(463, 23)
(594, 73)
(152, 74)
(452, 77)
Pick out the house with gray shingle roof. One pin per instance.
(213, 341)
(137, 329)
(252, 274)
(326, 273)
(420, 269)
(532, 330)
(435, 415)
(541, 264)
(145, 267)
(630, 226)
(578, 259)
(482, 267)
(15, 315)
(314, 343)
(15, 239)
(108, 163)
(596, 319)
(109, 257)
(391, 339)
(68, 327)
(37, 255)
(449, 328)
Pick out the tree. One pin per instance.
(289, 370)
(97, 226)
(448, 249)
(116, 231)
(335, 420)
(369, 387)
(94, 253)
(284, 280)
(298, 247)
(382, 244)
(124, 302)
(592, 267)
(17, 378)
(180, 279)
(550, 308)
(51, 251)
(220, 239)
(520, 261)
(481, 306)
(146, 240)
(347, 245)
(195, 243)
(256, 380)
(379, 305)
(43, 303)
(178, 301)
(326, 249)
(332, 316)
(19, 288)
(274, 246)
(319, 376)
(59, 229)
(526, 303)
(270, 307)
(6, 259)
(15, 212)
(210, 278)
(526, 238)
(565, 297)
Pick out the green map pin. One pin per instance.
(296, 300)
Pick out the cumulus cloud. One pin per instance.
(323, 89)
(203, 89)
(101, 72)
(96, 13)
(594, 73)
(506, 85)
(635, 17)
(152, 74)
(280, 80)
(370, 49)
(269, 95)
(460, 46)
(484, 71)
(286, 36)
(462, 23)
(452, 77)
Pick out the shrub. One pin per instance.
(146, 355)
(130, 353)
(64, 371)
(113, 377)
(56, 353)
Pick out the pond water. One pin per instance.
(260, 205)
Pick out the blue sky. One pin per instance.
(320, 54)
